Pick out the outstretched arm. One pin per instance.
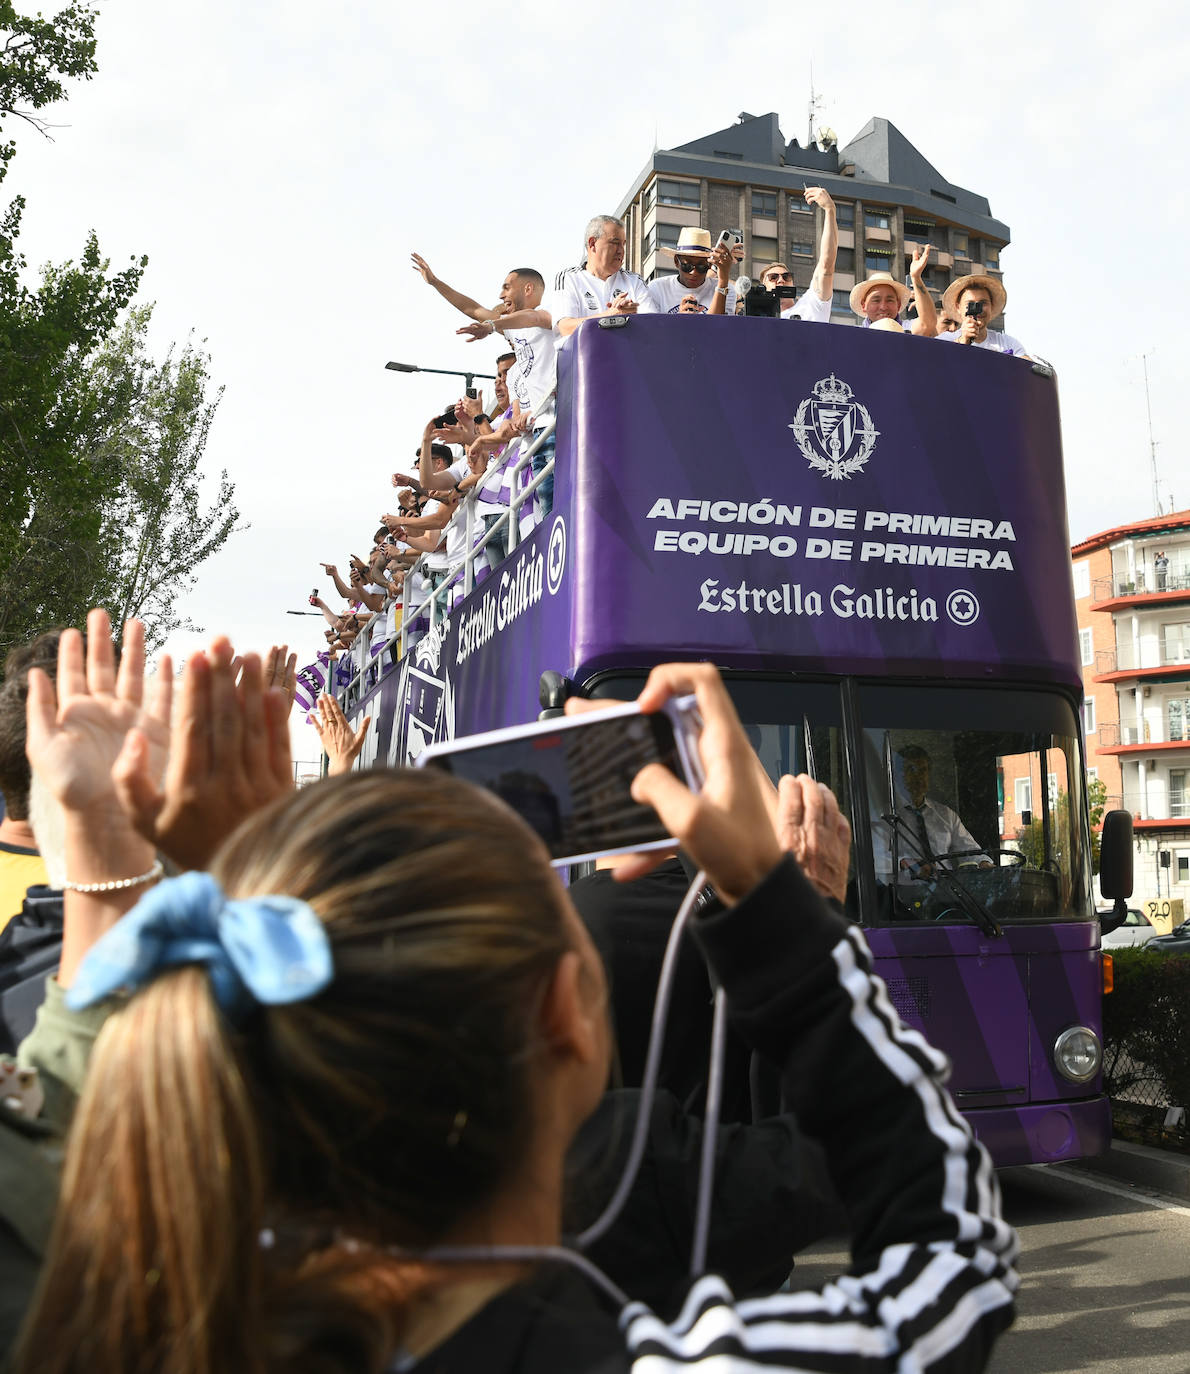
(927, 312)
(448, 293)
(823, 281)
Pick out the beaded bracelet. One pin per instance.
(119, 884)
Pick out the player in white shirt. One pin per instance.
(815, 302)
(879, 299)
(602, 287)
(694, 258)
(990, 296)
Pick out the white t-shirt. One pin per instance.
(995, 341)
(809, 306)
(578, 294)
(536, 369)
(669, 293)
(437, 559)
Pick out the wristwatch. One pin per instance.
(482, 418)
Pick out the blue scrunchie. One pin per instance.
(268, 949)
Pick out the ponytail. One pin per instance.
(154, 1259)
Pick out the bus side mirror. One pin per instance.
(1115, 866)
(552, 690)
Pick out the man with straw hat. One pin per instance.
(973, 301)
(879, 299)
(693, 291)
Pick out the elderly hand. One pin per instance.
(229, 756)
(811, 827)
(423, 267)
(622, 304)
(341, 744)
(921, 254)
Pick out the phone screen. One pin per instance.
(571, 785)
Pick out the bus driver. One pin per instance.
(926, 829)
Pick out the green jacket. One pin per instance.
(32, 1151)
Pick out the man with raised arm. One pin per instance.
(530, 331)
(694, 291)
(602, 287)
(880, 299)
(815, 302)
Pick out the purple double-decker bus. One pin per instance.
(867, 533)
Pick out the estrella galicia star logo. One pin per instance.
(555, 558)
(962, 607)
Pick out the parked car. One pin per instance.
(1136, 930)
(1176, 942)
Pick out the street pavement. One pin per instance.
(1105, 1270)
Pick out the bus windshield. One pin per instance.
(973, 797)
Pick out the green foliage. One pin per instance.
(36, 54)
(112, 496)
(1031, 837)
(1146, 1023)
(99, 446)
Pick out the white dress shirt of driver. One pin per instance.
(946, 833)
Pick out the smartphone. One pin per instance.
(473, 393)
(569, 777)
(729, 238)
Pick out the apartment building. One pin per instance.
(748, 177)
(1132, 590)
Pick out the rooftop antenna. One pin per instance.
(814, 107)
(1144, 358)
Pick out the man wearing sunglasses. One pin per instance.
(814, 303)
(696, 290)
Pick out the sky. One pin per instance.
(279, 162)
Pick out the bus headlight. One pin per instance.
(1078, 1054)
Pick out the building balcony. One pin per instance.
(1145, 589)
(1113, 733)
(1178, 809)
(1112, 665)
(1140, 746)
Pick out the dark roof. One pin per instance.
(754, 150)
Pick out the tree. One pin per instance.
(99, 446)
(1031, 837)
(125, 527)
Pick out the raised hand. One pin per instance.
(818, 195)
(341, 743)
(476, 330)
(421, 266)
(921, 255)
(229, 756)
(280, 670)
(811, 827)
(76, 732)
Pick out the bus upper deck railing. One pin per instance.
(364, 653)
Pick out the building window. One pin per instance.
(667, 235)
(649, 243)
(975, 253)
(764, 204)
(841, 302)
(992, 256)
(960, 245)
(1082, 579)
(845, 214)
(1177, 713)
(797, 204)
(802, 250)
(917, 231)
(845, 260)
(679, 193)
(1092, 774)
(878, 219)
(1086, 647)
(648, 197)
(1177, 643)
(1088, 715)
(877, 262)
(1177, 795)
(1183, 863)
(1022, 792)
(764, 251)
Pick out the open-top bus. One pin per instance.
(867, 533)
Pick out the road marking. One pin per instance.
(1149, 1199)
